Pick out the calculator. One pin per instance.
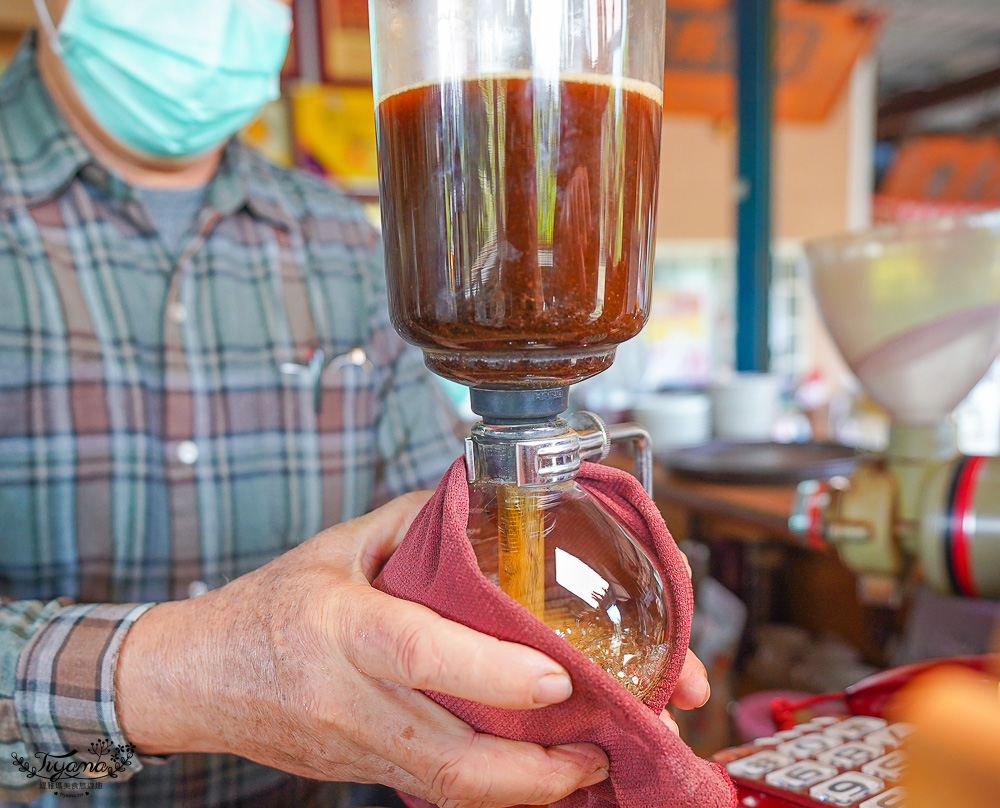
(852, 761)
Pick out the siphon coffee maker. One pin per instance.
(518, 150)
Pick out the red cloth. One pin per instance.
(650, 766)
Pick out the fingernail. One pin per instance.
(706, 693)
(585, 757)
(552, 688)
(668, 721)
(595, 778)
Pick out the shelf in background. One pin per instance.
(16, 16)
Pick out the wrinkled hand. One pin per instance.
(692, 689)
(303, 666)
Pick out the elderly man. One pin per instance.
(197, 373)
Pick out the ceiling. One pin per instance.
(943, 44)
(930, 42)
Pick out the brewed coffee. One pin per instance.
(519, 216)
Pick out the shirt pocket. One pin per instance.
(256, 470)
(347, 405)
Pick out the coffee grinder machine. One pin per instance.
(915, 310)
(518, 146)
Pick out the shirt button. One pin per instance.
(187, 452)
(178, 312)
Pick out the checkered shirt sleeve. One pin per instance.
(59, 690)
(163, 427)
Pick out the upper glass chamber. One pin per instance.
(518, 150)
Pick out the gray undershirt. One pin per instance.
(172, 212)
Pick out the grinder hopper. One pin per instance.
(915, 310)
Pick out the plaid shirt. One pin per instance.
(168, 424)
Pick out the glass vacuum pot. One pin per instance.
(518, 145)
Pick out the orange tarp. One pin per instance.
(940, 175)
(816, 46)
(946, 168)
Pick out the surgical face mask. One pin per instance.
(171, 78)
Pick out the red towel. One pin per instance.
(650, 766)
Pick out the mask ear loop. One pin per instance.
(51, 33)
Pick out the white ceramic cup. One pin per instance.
(746, 405)
(674, 419)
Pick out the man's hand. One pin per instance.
(692, 689)
(303, 666)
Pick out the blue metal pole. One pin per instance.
(755, 88)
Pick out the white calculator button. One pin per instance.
(800, 775)
(893, 798)
(889, 767)
(817, 724)
(758, 764)
(770, 741)
(808, 745)
(890, 736)
(847, 788)
(788, 734)
(855, 727)
(850, 755)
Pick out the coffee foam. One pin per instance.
(637, 86)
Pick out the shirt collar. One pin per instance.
(40, 155)
(244, 180)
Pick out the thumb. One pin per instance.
(377, 534)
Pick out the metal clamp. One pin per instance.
(642, 447)
(596, 438)
(526, 456)
(544, 454)
(595, 442)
